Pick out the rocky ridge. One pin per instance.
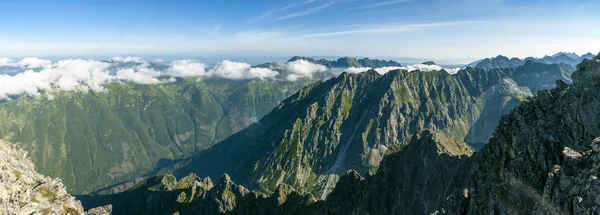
(25, 191)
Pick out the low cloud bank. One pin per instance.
(40, 75)
(29, 62)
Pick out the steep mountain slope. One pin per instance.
(433, 173)
(25, 191)
(539, 76)
(416, 178)
(92, 140)
(542, 159)
(348, 123)
(515, 171)
(539, 161)
(496, 102)
(431, 161)
(347, 62)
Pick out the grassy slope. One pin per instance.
(92, 140)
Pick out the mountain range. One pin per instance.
(292, 140)
(567, 60)
(541, 159)
(350, 122)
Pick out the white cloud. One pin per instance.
(5, 61)
(187, 68)
(303, 69)
(85, 75)
(141, 75)
(32, 62)
(384, 70)
(129, 59)
(158, 60)
(453, 70)
(262, 73)
(416, 67)
(357, 70)
(236, 70)
(64, 75)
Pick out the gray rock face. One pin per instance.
(596, 145)
(24, 191)
(415, 180)
(103, 210)
(537, 161)
(573, 187)
(588, 72)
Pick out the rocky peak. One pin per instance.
(25, 191)
(429, 141)
(588, 72)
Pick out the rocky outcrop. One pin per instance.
(193, 195)
(538, 160)
(25, 191)
(414, 180)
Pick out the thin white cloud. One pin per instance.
(380, 4)
(306, 12)
(393, 28)
(278, 10)
(127, 59)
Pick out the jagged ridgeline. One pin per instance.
(544, 158)
(349, 122)
(95, 139)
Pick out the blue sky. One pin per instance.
(452, 30)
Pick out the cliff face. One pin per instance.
(414, 179)
(515, 172)
(25, 191)
(348, 123)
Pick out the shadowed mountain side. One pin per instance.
(347, 123)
